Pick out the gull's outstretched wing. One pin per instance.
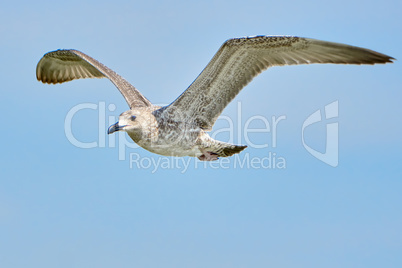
(65, 65)
(239, 60)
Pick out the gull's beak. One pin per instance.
(114, 128)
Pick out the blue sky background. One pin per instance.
(63, 206)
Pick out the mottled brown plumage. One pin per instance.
(179, 128)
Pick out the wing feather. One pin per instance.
(65, 65)
(239, 60)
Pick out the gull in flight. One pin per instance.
(180, 128)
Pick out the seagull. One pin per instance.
(180, 128)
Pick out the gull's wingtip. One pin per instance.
(385, 59)
(391, 59)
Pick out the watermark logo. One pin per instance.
(264, 137)
(330, 156)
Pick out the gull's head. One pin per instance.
(128, 121)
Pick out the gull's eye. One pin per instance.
(132, 117)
